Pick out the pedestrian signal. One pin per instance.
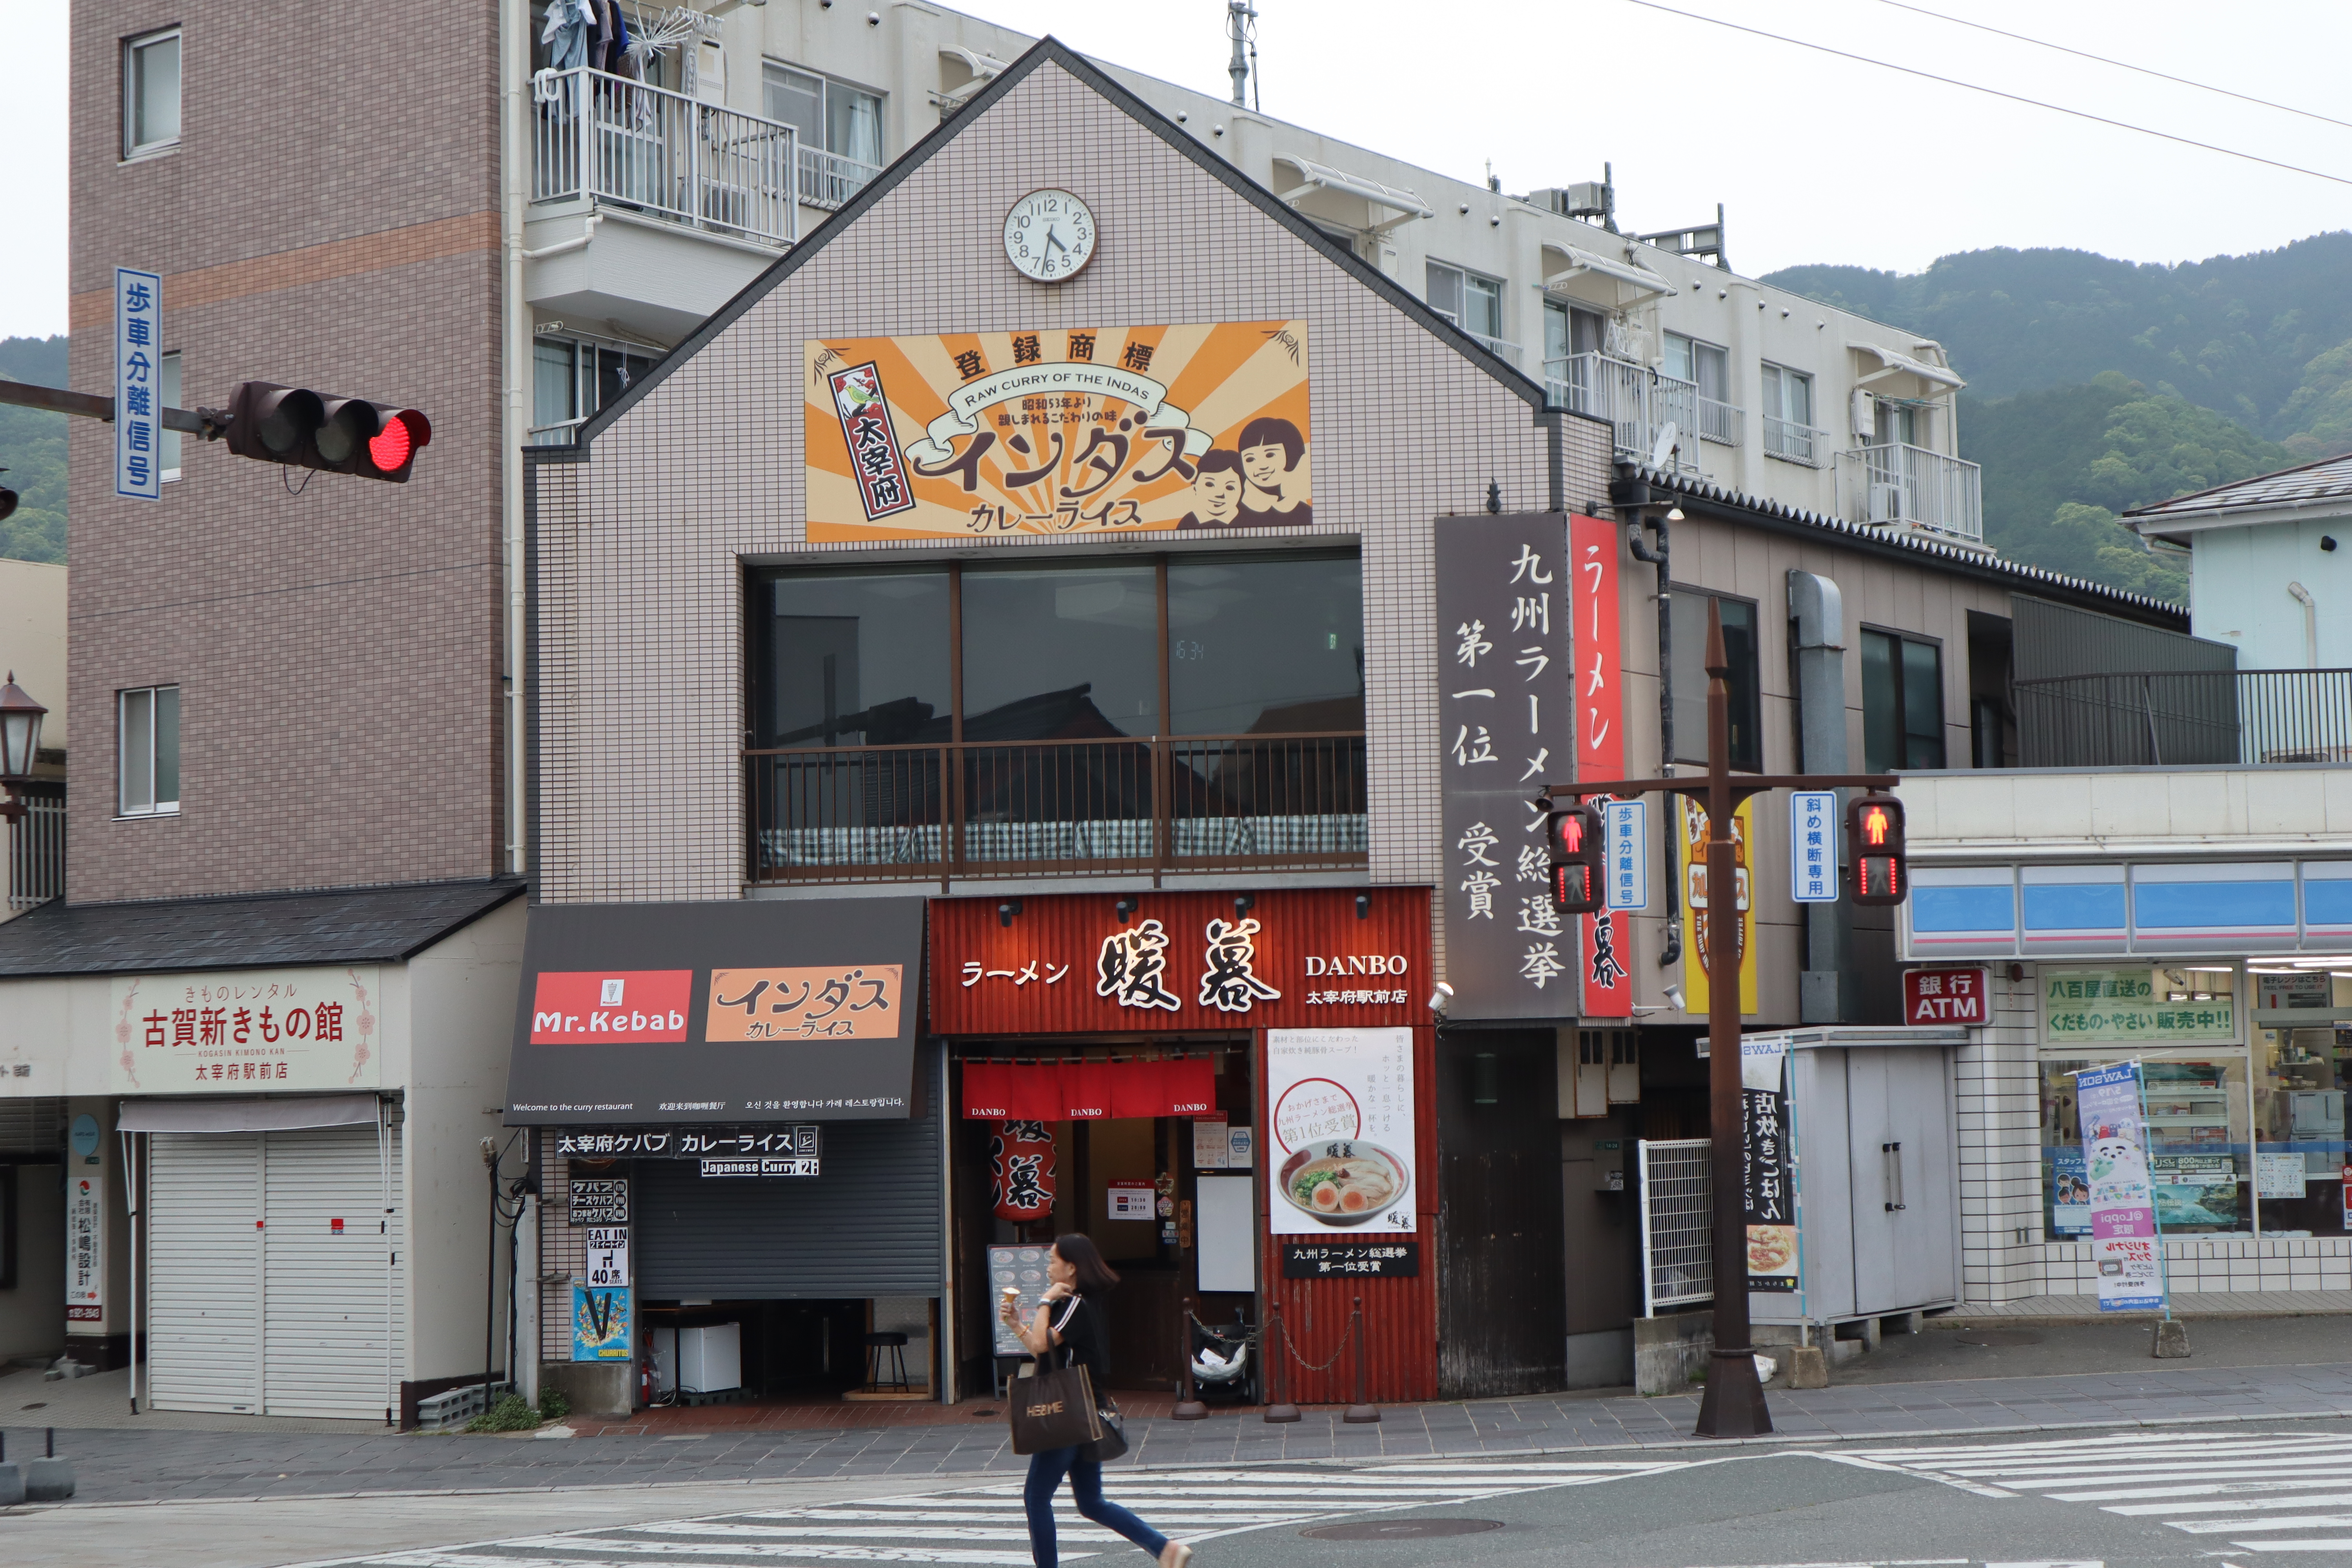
(1578, 859)
(305, 429)
(1873, 831)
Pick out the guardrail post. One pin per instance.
(1187, 1403)
(1276, 1353)
(1362, 1411)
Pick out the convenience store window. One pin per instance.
(2182, 1023)
(2302, 1065)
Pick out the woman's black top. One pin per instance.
(1079, 1321)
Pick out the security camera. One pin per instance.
(1675, 999)
(1440, 998)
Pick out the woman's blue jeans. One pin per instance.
(1046, 1469)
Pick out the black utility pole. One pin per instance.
(1734, 1403)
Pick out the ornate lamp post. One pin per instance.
(1734, 1403)
(20, 743)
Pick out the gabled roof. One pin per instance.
(1930, 552)
(2321, 489)
(345, 925)
(1046, 48)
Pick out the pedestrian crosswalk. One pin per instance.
(2252, 1492)
(984, 1527)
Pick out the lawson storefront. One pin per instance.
(779, 1158)
(2231, 982)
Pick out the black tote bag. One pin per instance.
(1054, 1409)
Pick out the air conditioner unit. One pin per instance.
(1887, 503)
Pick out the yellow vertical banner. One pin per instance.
(1698, 905)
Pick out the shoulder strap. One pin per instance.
(1068, 1313)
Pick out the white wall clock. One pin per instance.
(1049, 236)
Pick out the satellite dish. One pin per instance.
(1662, 451)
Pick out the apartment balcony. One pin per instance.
(829, 179)
(2247, 718)
(651, 210)
(1911, 487)
(1638, 403)
(1056, 808)
(1794, 442)
(1501, 348)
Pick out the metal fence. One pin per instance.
(36, 849)
(920, 813)
(1677, 1221)
(1896, 483)
(1797, 443)
(595, 134)
(829, 179)
(2181, 718)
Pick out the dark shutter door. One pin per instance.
(872, 1225)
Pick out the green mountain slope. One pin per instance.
(33, 450)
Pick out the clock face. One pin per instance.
(1049, 236)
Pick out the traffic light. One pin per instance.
(1579, 864)
(1874, 830)
(305, 430)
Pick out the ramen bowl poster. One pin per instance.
(1099, 429)
(1340, 1116)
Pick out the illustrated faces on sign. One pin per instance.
(1217, 490)
(1270, 450)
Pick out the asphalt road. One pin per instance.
(2169, 1498)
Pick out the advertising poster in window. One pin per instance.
(1340, 1106)
(1601, 750)
(1200, 427)
(1767, 1191)
(1701, 904)
(1505, 701)
(2124, 1236)
(246, 1031)
(603, 1326)
(2122, 1006)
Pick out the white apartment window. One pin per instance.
(151, 93)
(1789, 416)
(148, 751)
(830, 116)
(1470, 303)
(1896, 424)
(572, 379)
(1704, 365)
(168, 377)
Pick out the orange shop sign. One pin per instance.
(1199, 426)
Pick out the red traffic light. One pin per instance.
(1873, 828)
(1573, 836)
(305, 430)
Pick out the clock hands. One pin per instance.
(1053, 242)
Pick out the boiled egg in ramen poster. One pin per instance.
(1198, 426)
(1339, 1104)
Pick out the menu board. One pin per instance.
(1023, 1269)
(1341, 1115)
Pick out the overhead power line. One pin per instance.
(2119, 65)
(1993, 93)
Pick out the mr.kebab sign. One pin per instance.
(1291, 959)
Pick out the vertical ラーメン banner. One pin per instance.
(1602, 939)
(1506, 727)
(2125, 1242)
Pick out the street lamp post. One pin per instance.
(20, 743)
(1733, 1406)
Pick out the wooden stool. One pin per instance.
(895, 1342)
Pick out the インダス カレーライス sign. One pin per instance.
(1199, 426)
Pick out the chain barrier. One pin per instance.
(1346, 1339)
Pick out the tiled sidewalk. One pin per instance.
(2185, 1304)
(134, 1466)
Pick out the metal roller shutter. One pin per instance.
(203, 1271)
(32, 1126)
(872, 1225)
(329, 1306)
(258, 1305)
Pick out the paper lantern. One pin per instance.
(1021, 1170)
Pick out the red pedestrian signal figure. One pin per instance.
(1574, 837)
(1874, 826)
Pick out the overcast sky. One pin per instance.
(1816, 159)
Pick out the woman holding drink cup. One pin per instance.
(1070, 1318)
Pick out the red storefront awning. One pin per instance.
(1089, 1091)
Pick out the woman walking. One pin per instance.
(1071, 1319)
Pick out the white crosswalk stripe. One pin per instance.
(985, 1527)
(2270, 1491)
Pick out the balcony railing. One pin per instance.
(1719, 422)
(829, 179)
(1501, 348)
(1637, 401)
(1898, 484)
(37, 847)
(664, 153)
(1054, 808)
(2179, 719)
(1795, 443)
